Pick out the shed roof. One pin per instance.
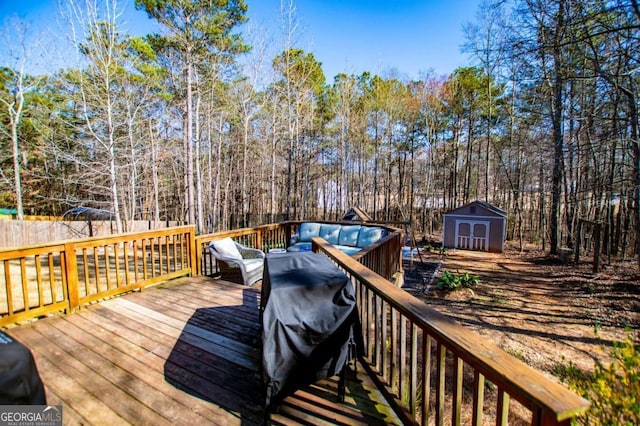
(484, 205)
(356, 214)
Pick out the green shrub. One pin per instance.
(450, 282)
(614, 391)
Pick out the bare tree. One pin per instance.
(19, 50)
(99, 42)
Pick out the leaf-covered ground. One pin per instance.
(534, 307)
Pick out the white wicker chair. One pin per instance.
(237, 263)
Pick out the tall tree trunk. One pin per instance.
(635, 152)
(154, 176)
(216, 189)
(557, 121)
(198, 174)
(188, 136)
(15, 113)
(274, 140)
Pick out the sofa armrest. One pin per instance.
(231, 262)
(249, 253)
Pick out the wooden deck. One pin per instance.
(184, 352)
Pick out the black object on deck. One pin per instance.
(310, 325)
(20, 383)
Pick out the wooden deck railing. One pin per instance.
(384, 257)
(262, 237)
(434, 368)
(47, 278)
(429, 366)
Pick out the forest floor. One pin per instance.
(533, 306)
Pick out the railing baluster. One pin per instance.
(39, 280)
(175, 240)
(145, 267)
(413, 381)
(70, 272)
(107, 266)
(96, 266)
(457, 390)
(478, 397)
(127, 279)
(367, 337)
(385, 336)
(402, 376)
(136, 257)
(375, 336)
(158, 256)
(502, 412)
(393, 381)
(116, 261)
(168, 256)
(153, 240)
(440, 383)
(52, 279)
(85, 270)
(426, 376)
(65, 282)
(8, 286)
(25, 284)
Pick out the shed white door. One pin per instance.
(472, 235)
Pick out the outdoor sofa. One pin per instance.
(348, 238)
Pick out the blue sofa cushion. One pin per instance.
(308, 230)
(349, 235)
(368, 236)
(348, 250)
(303, 246)
(330, 232)
(348, 238)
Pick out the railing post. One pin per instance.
(195, 253)
(287, 234)
(259, 239)
(199, 255)
(71, 272)
(542, 417)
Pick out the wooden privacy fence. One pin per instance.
(21, 233)
(437, 370)
(47, 278)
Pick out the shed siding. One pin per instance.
(474, 213)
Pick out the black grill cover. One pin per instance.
(310, 322)
(20, 382)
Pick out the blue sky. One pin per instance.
(353, 36)
(350, 36)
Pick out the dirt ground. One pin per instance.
(533, 306)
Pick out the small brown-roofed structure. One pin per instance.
(475, 226)
(357, 215)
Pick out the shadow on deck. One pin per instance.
(184, 352)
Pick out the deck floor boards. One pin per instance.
(183, 352)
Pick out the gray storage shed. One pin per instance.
(475, 226)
